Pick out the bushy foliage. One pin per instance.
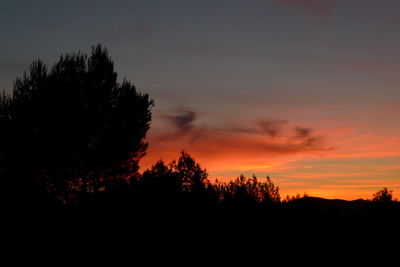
(185, 183)
(73, 126)
(247, 192)
(383, 196)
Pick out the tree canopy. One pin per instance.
(383, 196)
(72, 122)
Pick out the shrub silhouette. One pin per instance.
(159, 186)
(182, 183)
(383, 196)
(248, 192)
(71, 128)
(190, 174)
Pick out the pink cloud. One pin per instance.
(226, 147)
(299, 158)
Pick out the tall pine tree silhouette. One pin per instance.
(69, 128)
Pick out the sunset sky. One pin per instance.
(305, 91)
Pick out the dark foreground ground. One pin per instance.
(308, 228)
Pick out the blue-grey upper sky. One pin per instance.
(185, 48)
(323, 64)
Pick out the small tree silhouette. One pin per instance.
(159, 185)
(248, 192)
(190, 174)
(383, 196)
(181, 182)
(73, 126)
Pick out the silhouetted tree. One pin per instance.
(72, 127)
(159, 186)
(294, 197)
(248, 192)
(181, 182)
(189, 173)
(383, 196)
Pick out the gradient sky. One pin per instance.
(306, 91)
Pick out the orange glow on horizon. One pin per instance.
(341, 162)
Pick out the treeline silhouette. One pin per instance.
(72, 136)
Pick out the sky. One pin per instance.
(305, 91)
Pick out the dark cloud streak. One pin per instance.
(281, 139)
(272, 127)
(302, 132)
(305, 136)
(183, 121)
(183, 125)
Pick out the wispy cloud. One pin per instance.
(183, 120)
(302, 132)
(272, 137)
(299, 157)
(181, 126)
(272, 127)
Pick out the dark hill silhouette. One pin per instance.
(324, 203)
